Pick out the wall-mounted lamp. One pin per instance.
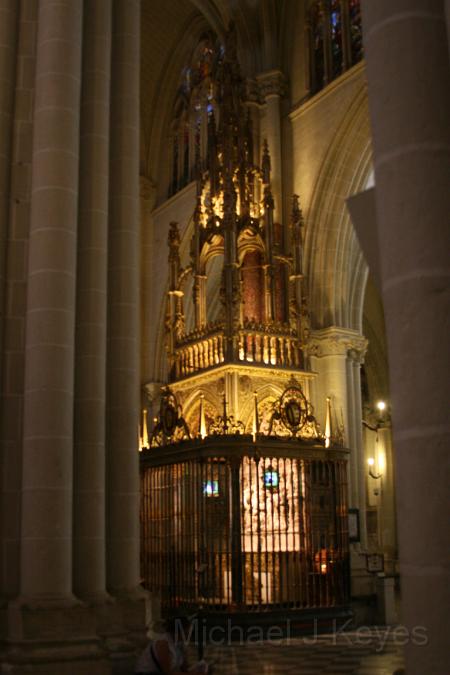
(381, 406)
(378, 416)
(372, 474)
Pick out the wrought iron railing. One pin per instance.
(249, 533)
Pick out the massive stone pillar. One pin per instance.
(8, 39)
(89, 580)
(47, 626)
(336, 353)
(123, 382)
(409, 96)
(48, 406)
(387, 524)
(9, 12)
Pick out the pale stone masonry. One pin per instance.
(90, 353)
(58, 222)
(409, 98)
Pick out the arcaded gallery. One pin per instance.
(223, 316)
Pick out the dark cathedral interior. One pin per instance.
(224, 311)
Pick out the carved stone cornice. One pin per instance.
(337, 341)
(272, 83)
(252, 93)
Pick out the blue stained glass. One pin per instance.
(211, 488)
(271, 479)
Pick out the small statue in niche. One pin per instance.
(178, 327)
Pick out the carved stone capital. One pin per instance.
(272, 83)
(252, 93)
(337, 341)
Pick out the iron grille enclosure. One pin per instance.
(234, 527)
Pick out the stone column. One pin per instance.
(336, 354)
(46, 625)
(409, 98)
(50, 321)
(89, 580)
(272, 87)
(9, 11)
(123, 390)
(355, 356)
(387, 524)
(8, 488)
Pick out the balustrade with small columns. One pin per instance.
(263, 347)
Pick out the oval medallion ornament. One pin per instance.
(294, 408)
(169, 420)
(293, 413)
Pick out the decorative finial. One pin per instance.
(144, 429)
(255, 418)
(202, 423)
(328, 429)
(266, 163)
(297, 215)
(225, 414)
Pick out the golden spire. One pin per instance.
(328, 430)
(255, 418)
(202, 421)
(144, 429)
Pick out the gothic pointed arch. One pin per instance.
(336, 269)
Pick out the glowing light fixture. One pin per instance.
(371, 463)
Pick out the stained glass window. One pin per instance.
(195, 101)
(355, 30)
(336, 37)
(317, 46)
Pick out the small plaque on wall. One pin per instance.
(353, 526)
(375, 562)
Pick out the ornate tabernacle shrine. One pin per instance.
(243, 497)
